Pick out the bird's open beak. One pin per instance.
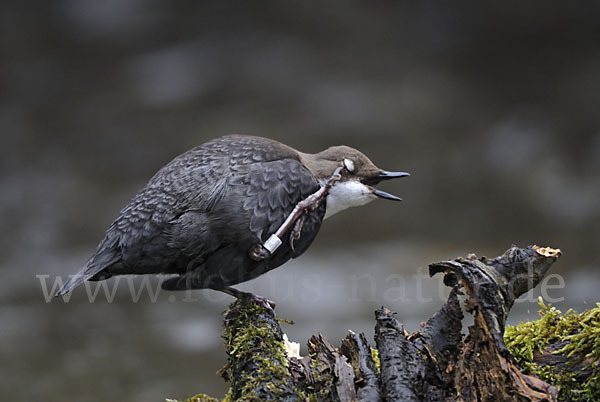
(385, 175)
(387, 196)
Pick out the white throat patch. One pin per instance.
(346, 194)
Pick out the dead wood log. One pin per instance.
(436, 363)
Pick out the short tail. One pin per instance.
(91, 269)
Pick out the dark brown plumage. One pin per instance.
(199, 216)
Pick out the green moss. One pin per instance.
(228, 397)
(257, 358)
(375, 356)
(197, 398)
(580, 333)
(284, 321)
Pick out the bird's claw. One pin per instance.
(296, 231)
(258, 252)
(336, 176)
(247, 297)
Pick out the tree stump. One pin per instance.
(435, 363)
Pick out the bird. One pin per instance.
(216, 215)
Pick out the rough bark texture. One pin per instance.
(436, 363)
(357, 350)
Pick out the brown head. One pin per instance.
(358, 177)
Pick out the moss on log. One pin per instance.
(562, 349)
(436, 363)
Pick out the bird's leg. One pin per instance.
(247, 297)
(261, 251)
(312, 201)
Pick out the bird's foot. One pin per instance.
(296, 231)
(247, 297)
(260, 300)
(258, 252)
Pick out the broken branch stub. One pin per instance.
(480, 366)
(357, 350)
(494, 285)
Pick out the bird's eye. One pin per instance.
(348, 164)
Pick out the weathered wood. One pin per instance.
(402, 369)
(436, 363)
(494, 285)
(333, 369)
(357, 350)
(481, 368)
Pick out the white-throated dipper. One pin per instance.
(230, 210)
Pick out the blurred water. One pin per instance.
(492, 109)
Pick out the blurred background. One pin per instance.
(493, 109)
